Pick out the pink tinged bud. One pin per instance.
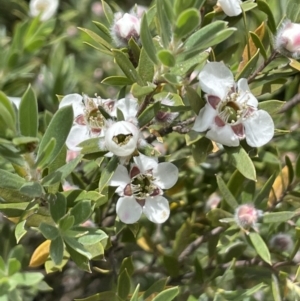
(126, 27)
(288, 39)
(121, 138)
(281, 242)
(246, 216)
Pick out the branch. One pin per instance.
(196, 243)
(180, 127)
(272, 57)
(290, 104)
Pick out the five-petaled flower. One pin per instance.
(231, 112)
(88, 120)
(140, 190)
(287, 40)
(230, 7)
(45, 8)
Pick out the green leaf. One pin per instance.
(124, 284)
(156, 287)
(13, 266)
(66, 223)
(135, 294)
(105, 33)
(163, 21)
(147, 115)
(32, 189)
(228, 197)
(166, 57)
(108, 172)
(61, 123)
(28, 114)
(260, 247)
(138, 91)
(97, 38)
(265, 190)
(105, 296)
(9, 180)
(167, 295)
(290, 167)
(196, 102)
(241, 160)
(271, 106)
(259, 45)
(81, 211)
(92, 237)
(145, 67)
(58, 207)
(201, 148)
(61, 173)
(147, 41)
(124, 63)
(76, 246)
(187, 21)
(128, 265)
(250, 67)
(109, 14)
(276, 288)
(8, 105)
(49, 231)
(208, 35)
(27, 278)
(278, 217)
(264, 7)
(181, 5)
(297, 167)
(57, 250)
(117, 81)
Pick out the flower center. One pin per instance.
(122, 139)
(142, 186)
(42, 6)
(95, 119)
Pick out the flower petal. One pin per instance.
(128, 106)
(223, 135)
(157, 209)
(145, 163)
(128, 210)
(77, 134)
(76, 101)
(216, 79)
(259, 128)
(231, 7)
(245, 94)
(166, 175)
(120, 179)
(205, 118)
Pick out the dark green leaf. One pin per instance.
(164, 22)
(123, 288)
(264, 6)
(271, 106)
(60, 123)
(228, 197)
(49, 231)
(58, 207)
(187, 21)
(166, 57)
(32, 189)
(148, 114)
(9, 180)
(167, 295)
(108, 172)
(181, 5)
(28, 114)
(264, 192)
(105, 296)
(117, 81)
(201, 148)
(258, 43)
(250, 67)
(81, 211)
(156, 287)
(57, 250)
(109, 14)
(241, 160)
(278, 217)
(260, 247)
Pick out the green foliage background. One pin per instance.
(200, 253)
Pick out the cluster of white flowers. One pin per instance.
(46, 9)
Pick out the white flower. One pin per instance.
(140, 190)
(88, 120)
(45, 8)
(287, 39)
(231, 113)
(125, 28)
(121, 138)
(230, 7)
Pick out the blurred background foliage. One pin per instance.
(55, 61)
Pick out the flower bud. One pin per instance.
(121, 138)
(246, 216)
(288, 39)
(124, 28)
(45, 8)
(281, 242)
(230, 7)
